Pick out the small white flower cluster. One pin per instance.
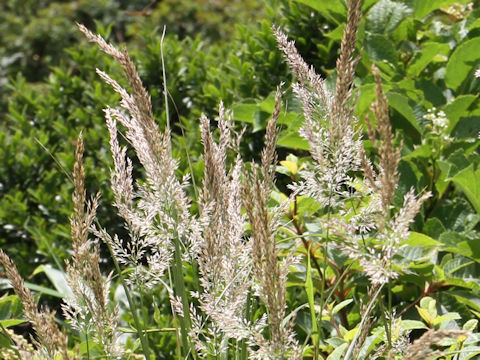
(439, 124)
(439, 119)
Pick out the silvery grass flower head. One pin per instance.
(224, 256)
(270, 275)
(333, 146)
(155, 210)
(50, 342)
(88, 308)
(358, 209)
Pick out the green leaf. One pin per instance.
(455, 163)
(470, 325)
(470, 352)
(338, 352)
(425, 315)
(462, 63)
(326, 8)
(5, 284)
(244, 112)
(401, 103)
(412, 325)
(471, 284)
(425, 57)
(419, 239)
(458, 244)
(424, 7)
(446, 318)
(340, 306)
(453, 265)
(11, 322)
(380, 48)
(467, 298)
(467, 127)
(293, 140)
(337, 33)
(468, 180)
(385, 16)
(57, 278)
(458, 108)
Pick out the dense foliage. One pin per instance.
(426, 55)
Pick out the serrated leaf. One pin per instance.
(380, 48)
(385, 16)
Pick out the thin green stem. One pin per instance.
(349, 353)
(88, 346)
(180, 291)
(177, 335)
(133, 307)
(387, 324)
(324, 277)
(165, 91)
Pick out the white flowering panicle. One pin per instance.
(156, 210)
(224, 256)
(360, 211)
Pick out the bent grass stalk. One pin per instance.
(362, 322)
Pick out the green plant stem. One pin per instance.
(349, 353)
(165, 91)
(88, 347)
(185, 321)
(387, 324)
(177, 335)
(305, 242)
(324, 277)
(133, 307)
(243, 344)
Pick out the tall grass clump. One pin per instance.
(225, 259)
